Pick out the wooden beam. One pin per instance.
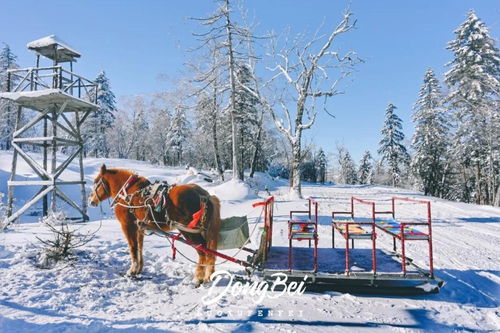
(70, 202)
(70, 125)
(54, 154)
(28, 74)
(60, 169)
(10, 191)
(43, 182)
(32, 163)
(80, 163)
(85, 115)
(64, 128)
(45, 206)
(40, 141)
(24, 208)
(30, 124)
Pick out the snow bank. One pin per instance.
(194, 176)
(233, 190)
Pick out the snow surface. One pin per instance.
(91, 294)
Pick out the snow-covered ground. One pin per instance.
(91, 294)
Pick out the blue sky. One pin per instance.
(135, 41)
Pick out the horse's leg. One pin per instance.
(200, 268)
(209, 267)
(130, 230)
(212, 237)
(140, 258)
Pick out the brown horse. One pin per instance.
(131, 207)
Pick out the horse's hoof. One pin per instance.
(131, 273)
(196, 282)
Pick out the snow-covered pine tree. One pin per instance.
(379, 174)
(178, 134)
(7, 108)
(158, 135)
(474, 86)
(139, 128)
(121, 137)
(95, 127)
(206, 124)
(430, 142)
(365, 171)
(321, 164)
(246, 116)
(347, 171)
(391, 146)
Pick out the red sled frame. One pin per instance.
(401, 235)
(297, 221)
(373, 236)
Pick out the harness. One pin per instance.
(123, 194)
(157, 197)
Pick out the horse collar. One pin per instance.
(122, 193)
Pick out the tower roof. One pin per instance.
(54, 48)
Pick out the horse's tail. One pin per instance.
(214, 223)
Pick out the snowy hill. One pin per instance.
(91, 294)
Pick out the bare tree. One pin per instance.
(228, 39)
(304, 72)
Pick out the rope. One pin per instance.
(170, 241)
(225, 260)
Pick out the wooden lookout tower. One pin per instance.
(61, 101)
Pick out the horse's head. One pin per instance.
(100, 190)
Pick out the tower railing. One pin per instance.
(53, 77)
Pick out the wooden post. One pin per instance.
(71, 70)
(37, 66)
(80, 161)
(54, 63)
(54, 155)
(45, 165)
(10, 194)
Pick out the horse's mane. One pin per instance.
(114, 171)
(123, 172)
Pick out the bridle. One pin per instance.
(95, 188)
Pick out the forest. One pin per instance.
(245, 101)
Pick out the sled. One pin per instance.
(366, 271)
(329, 271)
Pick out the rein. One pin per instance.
(122, 194)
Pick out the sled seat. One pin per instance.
(351, 227)
(394, 228)
(405, 231)
(304, 228)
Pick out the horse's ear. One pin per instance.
(103, 169)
